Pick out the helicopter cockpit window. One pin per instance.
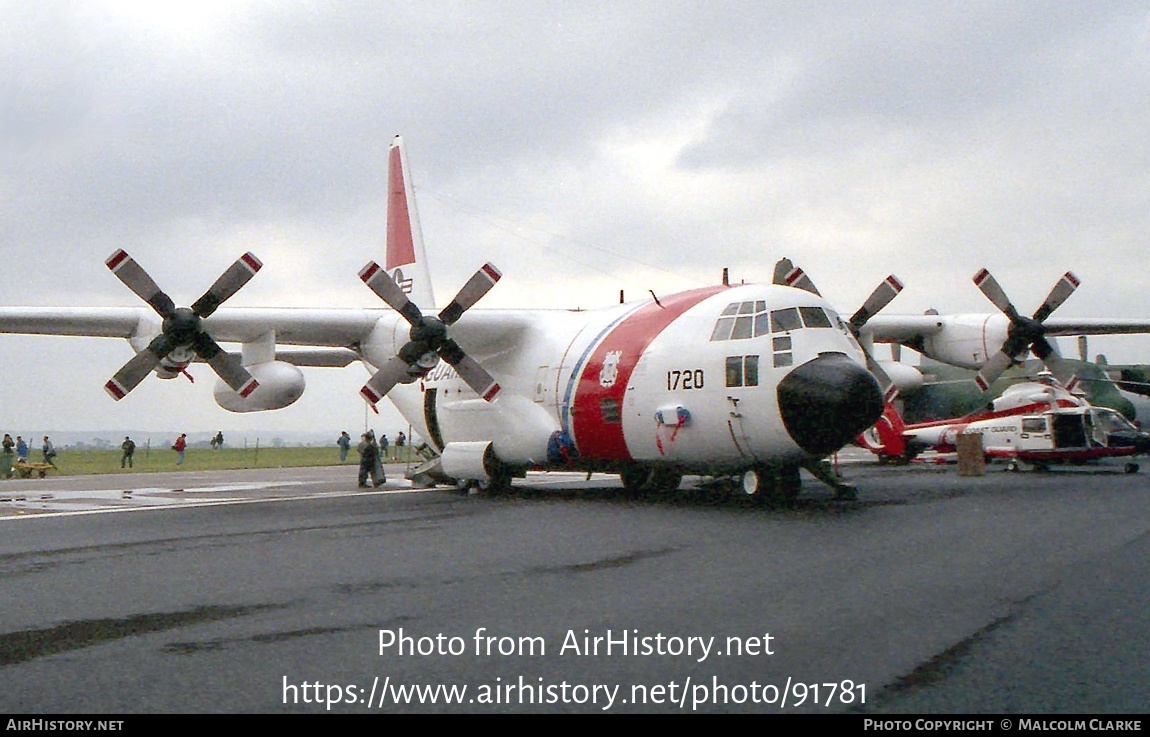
(1111, 421)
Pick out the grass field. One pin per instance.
(87, 462)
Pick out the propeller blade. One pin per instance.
(133, 372)
(1055, 364)
(1061, 369)
(1062, 290)
(879, 298)
(385, 287)
(992, 369)
(382, 381)
(227, 367)
(989, 286)
(237, 275)
(1083, 353)
(889, 390)
(799, 279)
(478, 285)
(469, 370)
(135, 278)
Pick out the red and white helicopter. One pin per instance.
(1039, 422)
(752, 380)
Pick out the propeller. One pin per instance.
(1024, 333)
(878, 299)
(428, 340)
(182, 329)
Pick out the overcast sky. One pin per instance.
(596, 146)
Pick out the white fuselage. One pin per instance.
(674, 382)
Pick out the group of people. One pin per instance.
(16, 451)
(179, 445)
(344, 444)
(372, 454)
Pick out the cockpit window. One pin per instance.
(784, 320)
(723, 327)
(815, 317)
(1112, 421)
(743, 326)
(751, 319)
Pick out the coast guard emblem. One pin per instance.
(610, 371)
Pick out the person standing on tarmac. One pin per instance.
(129, 448)
(181, 447)
(49, 451)
(6, 456)
(369, 463)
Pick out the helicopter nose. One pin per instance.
(827, 402)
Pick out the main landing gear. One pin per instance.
(782, 484)
(638, 480)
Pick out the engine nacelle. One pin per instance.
(280, 385)
(966, 341)
(907, 379)
(474, 461)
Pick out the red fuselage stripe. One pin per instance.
(597, 411)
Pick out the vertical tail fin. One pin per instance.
(406, 258)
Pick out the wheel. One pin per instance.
(634, 479)
(500, 483)
(1131, 468)
(773, 485)
(638, 479)
(752, 482)
(664, 479)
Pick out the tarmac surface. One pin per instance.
(291, 590)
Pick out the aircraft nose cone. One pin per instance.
(827, 402)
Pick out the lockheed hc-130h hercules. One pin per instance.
(754, 381)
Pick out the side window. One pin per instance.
(751, 371)
(609, 408)
(742, 370)
(1034, 424)
(734, 370)
(781, 346)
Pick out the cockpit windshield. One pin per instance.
(752, 319)
(1111, 421)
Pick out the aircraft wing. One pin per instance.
(294, 326)
(98, 322)
(906, 328)
(1095, 326)
(305, 327)
(329, 332)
